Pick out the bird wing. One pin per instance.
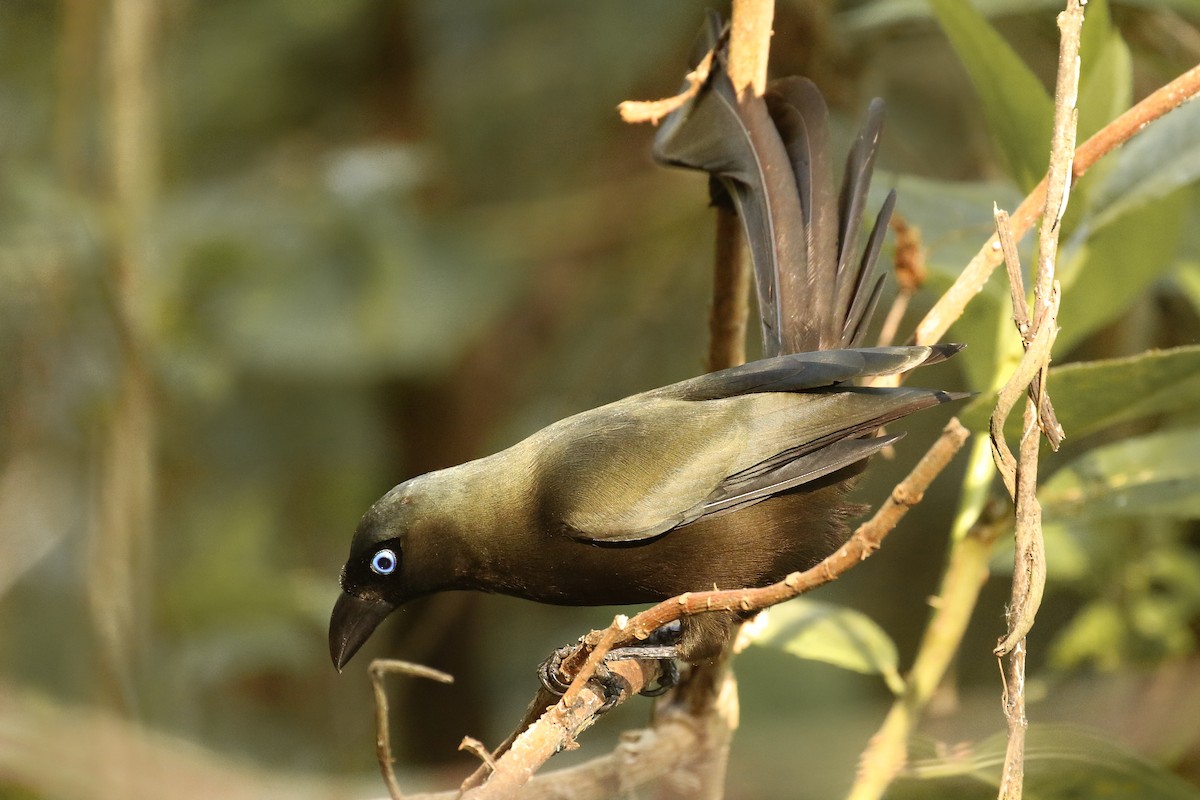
(635, 469)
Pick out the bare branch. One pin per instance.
(1029, 567)
(652, 111)
(378, 669)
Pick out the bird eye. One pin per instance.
(383, 562)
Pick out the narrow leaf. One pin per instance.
(835, 635)
(1060, 762)
(1156, 474)
(1017, 107)
(1094, 395)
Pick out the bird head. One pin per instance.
(373, 579)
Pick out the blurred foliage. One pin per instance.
(387, 236)
(1060, 762)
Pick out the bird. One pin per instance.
(730, 479)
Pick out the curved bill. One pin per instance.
(352, 623)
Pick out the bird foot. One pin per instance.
(655, 648)
(549, 671)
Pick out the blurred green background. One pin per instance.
(261, 261)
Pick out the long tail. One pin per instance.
(770, 155)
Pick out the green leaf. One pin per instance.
(1106, 72)
(1187, 280)
(870, 16)
(884, 13)
(1113, 267)
(835, 635)
(1060, 762)
(1156, 474)
(1159, 160)
(1017, 107)
(1098, 394)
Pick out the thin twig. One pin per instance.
(638, 111)
(379, 668)
(1016, 284)
(121, 541)
(1037, 343)
(1029, 569)
(470, 744)
(966, 572)
(557, 730)
(951, 305)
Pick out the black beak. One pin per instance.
(351, 624)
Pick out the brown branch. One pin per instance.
(951, 305)
(558, 729)
(730, 310)
(749, 51)
(638, 111)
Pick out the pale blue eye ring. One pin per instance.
(384, 562)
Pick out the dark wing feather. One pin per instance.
(803, 371)
(739, 491)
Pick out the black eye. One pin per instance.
(383, 562)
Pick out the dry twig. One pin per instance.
(379, 668)
(652, 111)
(1029, 568)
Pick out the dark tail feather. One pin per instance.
(772, 156)
(807, 287)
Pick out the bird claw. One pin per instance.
(612, 685)
(550, 675)
(549, 671)
(668, 679)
